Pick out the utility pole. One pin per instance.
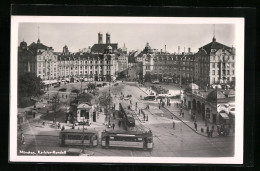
(109, 101)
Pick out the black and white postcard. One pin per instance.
(127, 89)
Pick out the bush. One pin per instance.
(26, 102)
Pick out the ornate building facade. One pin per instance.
(215, 63)
(39, 59)
(167, 67)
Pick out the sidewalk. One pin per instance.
(190, 123)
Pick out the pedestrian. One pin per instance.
(66, 96)
(183, 114)
(58, 125)
(139, 111)
(147, 118)
(212, 127)
(63, 128)
(33, 113)
(20, 128)
(211, 133)
(144, 117)
(113, 125)
(195, 125)
(173, 125)
(159, 106)
(119, 122)
(22, 139)
(207, 129)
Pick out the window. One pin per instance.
(74, 137)
(86, 72)
(232, 65)
(228, 72)
(213, 65)
(233, 72)
(213, 72)
(233, 57)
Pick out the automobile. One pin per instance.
(62, 89)
(232, 110)
(58, 85)
(151, 97)
(116, 84)
(155, 82)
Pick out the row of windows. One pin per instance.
(223, 58)
(224, 72)
(228, 65)
(228, 79)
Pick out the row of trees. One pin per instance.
(29, 85)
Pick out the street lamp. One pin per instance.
(180, 71)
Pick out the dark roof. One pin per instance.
(214, 45)
(35, 46)
(131, 59)
(100, 48)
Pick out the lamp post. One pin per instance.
(180, 71)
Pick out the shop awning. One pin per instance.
(224, 115)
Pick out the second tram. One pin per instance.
(130, 139)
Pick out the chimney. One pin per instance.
(189, 49)
(100, 38)
(165, 48)
(107, 38)
(161, 51)
(178, 49)
(184, 50)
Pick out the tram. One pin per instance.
(75, 137)
(127, 118)
(127, 139)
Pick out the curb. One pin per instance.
(186, 124)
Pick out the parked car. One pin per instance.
(62, 89)
(57, 85)
(151, 97)
(232, 110)
(155, 82)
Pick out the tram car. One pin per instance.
(127, 139)
(127, 118)
(73, 137)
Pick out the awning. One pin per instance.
(224, 115)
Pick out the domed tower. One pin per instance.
(65, 50)
(23, 45)
(107, 38)
(100, 38)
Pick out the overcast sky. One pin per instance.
(135, 36)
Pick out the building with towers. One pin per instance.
(100, 46)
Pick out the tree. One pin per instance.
(85, 97)
(55, 104)
(29, 85)
(105, 100)
(91, 86)
(147, 77)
